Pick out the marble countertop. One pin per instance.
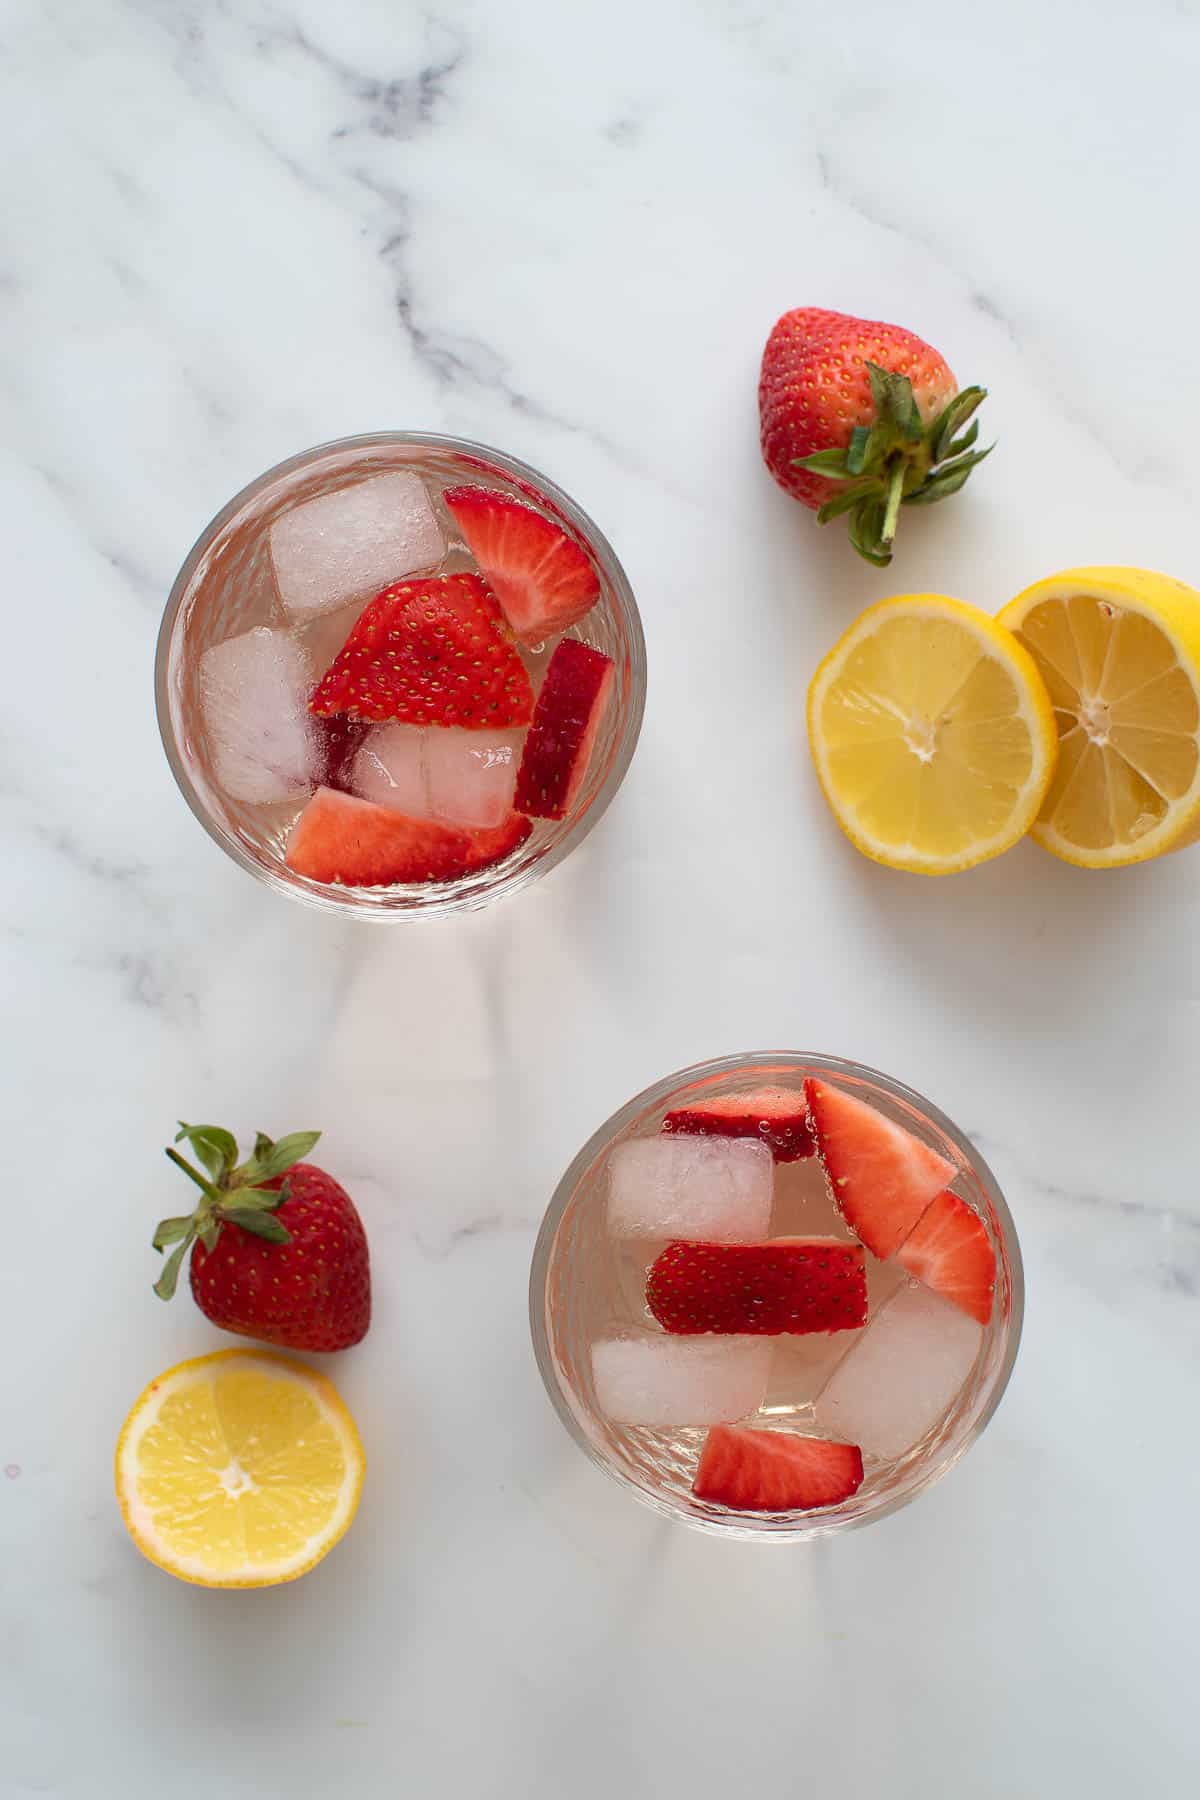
(235, 229)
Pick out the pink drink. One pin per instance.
(914, 1385)
(268, 599)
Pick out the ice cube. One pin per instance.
(390, 769)
(801, 1368)
(902, 1374)
(717, 1189)
(659, 1380)
(254, 699)
(324, 637)
(883, 1278)
(472, 775)
(348, 544)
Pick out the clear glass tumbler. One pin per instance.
(225, 587)
(580, 1288)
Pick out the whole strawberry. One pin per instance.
(278, 1251)
(863, 418)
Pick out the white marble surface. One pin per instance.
(234, 229)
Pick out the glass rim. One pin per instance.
(649, 1097)
(346, 905)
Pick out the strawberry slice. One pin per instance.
(491, 844)
(565, 722)
(776, 1116)
(431, 652)
(950, 1251)
(794, 1285)
(543, 579)
(882, 1178)
(341, 838)
(338, 742)
(775, 1471)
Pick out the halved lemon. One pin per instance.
(1119, 651)
(240, 1469)
(932, 734)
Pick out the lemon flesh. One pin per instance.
(239, 1469)
(1119, 651)
(932, 734)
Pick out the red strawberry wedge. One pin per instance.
(566, 719)
(339, 838)
(882, 1178)
(542, 578)
(430, 652)
(794, 1285)
(778, 1117)
(950, 1251)
(775, 1471)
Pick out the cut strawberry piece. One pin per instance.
(882, 1178)
(433, 652)
(339, 838)
(793, 1285)
(543, 579)
(777, 1116)
(338, 742)
(775, 1471)
(950, 1251)
(491, 844)
(565, 722)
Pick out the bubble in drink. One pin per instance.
(902, 1374)
(351, 543)
(254, 699)
(664, 1381)
(703, 1189)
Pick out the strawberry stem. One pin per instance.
(205, 1186)
(895, 494)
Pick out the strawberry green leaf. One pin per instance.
(953, 464)
(953, 418)
(169, 1231)
(866, 533)
(257, 1198)
(164, 1287)
(263, 1146)
(947, 480)
(957, 445)
(217, 1149)
(209, 1233)
(856, 454)
(259, 1224)
(881, 393)
(895, 403)
(847, 500)
(289, 1150)
(825, 462)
